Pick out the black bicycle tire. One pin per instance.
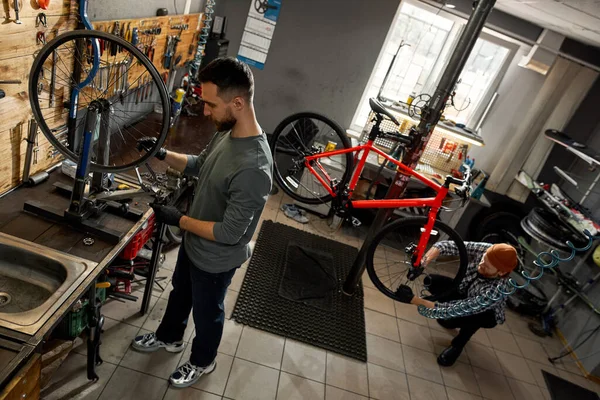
(420, 221)
(496, 222)
(173, 237)
(341, 134)
(38, 64)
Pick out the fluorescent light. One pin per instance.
(449, 5)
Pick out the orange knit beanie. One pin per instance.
(502, 256)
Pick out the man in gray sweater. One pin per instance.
(234, 179)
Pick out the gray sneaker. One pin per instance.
(293, 212)
(187, 374)
(148, 343)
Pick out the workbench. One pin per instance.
(15, 347)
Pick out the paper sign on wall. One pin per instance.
(258, 32)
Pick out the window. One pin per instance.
(424, 38)
(422, 42)
(482, 67)
(423, 35)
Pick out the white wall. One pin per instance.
(516, 92)
(102, 10)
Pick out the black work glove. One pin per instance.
(167, 214)
(404, 294)
(147, 143)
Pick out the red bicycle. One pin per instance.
(314, 165)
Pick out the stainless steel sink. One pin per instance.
(34, 281)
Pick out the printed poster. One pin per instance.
(258, 32)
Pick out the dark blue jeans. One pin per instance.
(467, 325)
(203, 293)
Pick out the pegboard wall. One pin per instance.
(18, 47)
(185, 27)
(443, 152)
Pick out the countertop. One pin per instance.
(15, 222)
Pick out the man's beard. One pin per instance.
(227, 123)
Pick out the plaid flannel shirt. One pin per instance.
(474, 284)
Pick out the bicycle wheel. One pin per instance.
(390, 253)
(130, 89)
(302, 135)
(174, 234)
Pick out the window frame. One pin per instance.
(448, 48)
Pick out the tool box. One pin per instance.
(132, 249)
(76, 321)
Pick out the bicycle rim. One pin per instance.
(304, 134)
(135, 98)
(390, 258)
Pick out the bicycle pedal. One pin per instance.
(356, 222)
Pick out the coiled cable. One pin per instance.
(470, 306)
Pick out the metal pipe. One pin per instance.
(430, 116)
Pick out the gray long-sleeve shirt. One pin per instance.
(234, 181)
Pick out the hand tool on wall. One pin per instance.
(172, 73)
(116, 31)
(150, 51)
(8, 82)
(135, 39)
(17, 9)
(31, 139)
(168, 52)
(128, 33)
(41, 20)
(40, 38)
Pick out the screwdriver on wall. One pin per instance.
(17, 20)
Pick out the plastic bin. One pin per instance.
(139, 240)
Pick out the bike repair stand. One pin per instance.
(82, 207)
(162, 198)
(159, 234)
(430, 116)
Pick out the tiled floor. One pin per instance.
(502, 363)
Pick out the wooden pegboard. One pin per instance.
(188, 37)
(18, 47)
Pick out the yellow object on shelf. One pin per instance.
(330, 146)
(596, 256)
(179, 93)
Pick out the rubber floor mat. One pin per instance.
(308, 277)
(340, 329)
(561, 389)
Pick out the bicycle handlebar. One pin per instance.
(464, 190)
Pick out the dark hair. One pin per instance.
(232, 77)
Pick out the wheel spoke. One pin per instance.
(391, 261)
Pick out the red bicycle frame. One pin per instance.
(435, 203)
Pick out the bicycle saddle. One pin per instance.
(378, 108)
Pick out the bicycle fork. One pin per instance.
(417, 256)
